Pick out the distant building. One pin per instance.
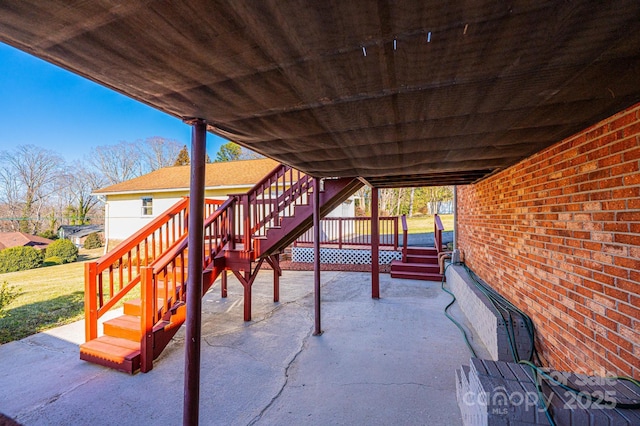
(130, 205)
(20, 239)
(78, 233)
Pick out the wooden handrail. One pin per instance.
(405, 232)
(158, 250)
(128, 244)
(437, 232)
(115, 274)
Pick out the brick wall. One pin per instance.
(559, 235)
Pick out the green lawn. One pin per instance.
(49, 297)
(54, 295)
(422, 224)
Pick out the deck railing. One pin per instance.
(109, 279)
(170, 269)
(268, 201)
(353, 231)
(405, 235)
(437, 232)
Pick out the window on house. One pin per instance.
(147, 206)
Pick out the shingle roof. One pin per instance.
(229, 173)
(79, 231)
(18, 239)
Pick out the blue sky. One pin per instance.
(44, 105)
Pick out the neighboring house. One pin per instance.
(132, 204)
(20, 239)
(78, 233)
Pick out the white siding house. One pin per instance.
(132, 204)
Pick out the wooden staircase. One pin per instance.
(239, 235)
(419, 263)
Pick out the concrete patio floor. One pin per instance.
(379, 362)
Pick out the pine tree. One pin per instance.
(183, 157)
(229, 152)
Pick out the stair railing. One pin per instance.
(405, 232)
(115, 274)
(272, 198)
(159, 302)
(437, 232)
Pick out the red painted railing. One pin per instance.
(268, 201)
(437, 232)
(156, 256)
(405, 234)
(353, 231)
(109, 279)
(163, 288)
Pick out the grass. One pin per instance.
(54, 295)
(422, 224)
(49, 297)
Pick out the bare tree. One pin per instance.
(412, 195)
(158, 152)
(33, 171)
(80, 185)
(117, 162)
(436, 195)
(9, 199)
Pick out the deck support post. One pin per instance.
(191, 408)
(274, 262)
(223, 284)
(247, 278)
(375, 245)
(316, 255)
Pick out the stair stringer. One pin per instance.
(164, 331)
(336, 191)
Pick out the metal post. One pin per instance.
(375, 242)
(455, 217)
(316, 254)
(194, 270)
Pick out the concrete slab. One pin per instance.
(387, 361)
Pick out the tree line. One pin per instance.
(409, 201)
(40, 190)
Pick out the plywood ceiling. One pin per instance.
(397, 92)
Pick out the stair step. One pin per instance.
(416, 276)
(133, 307)
(113, 352)
(422, 258)
(429, 251)
(397, 266)
(124, 326)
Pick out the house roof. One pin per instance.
(400, 93)
(79, 231)
(223, 174)
(20, 239)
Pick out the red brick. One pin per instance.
(628, 216)
(631, 155)
(631, 239)
(627, 262)
(559, 235)
(623, 121)
(624, 168)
